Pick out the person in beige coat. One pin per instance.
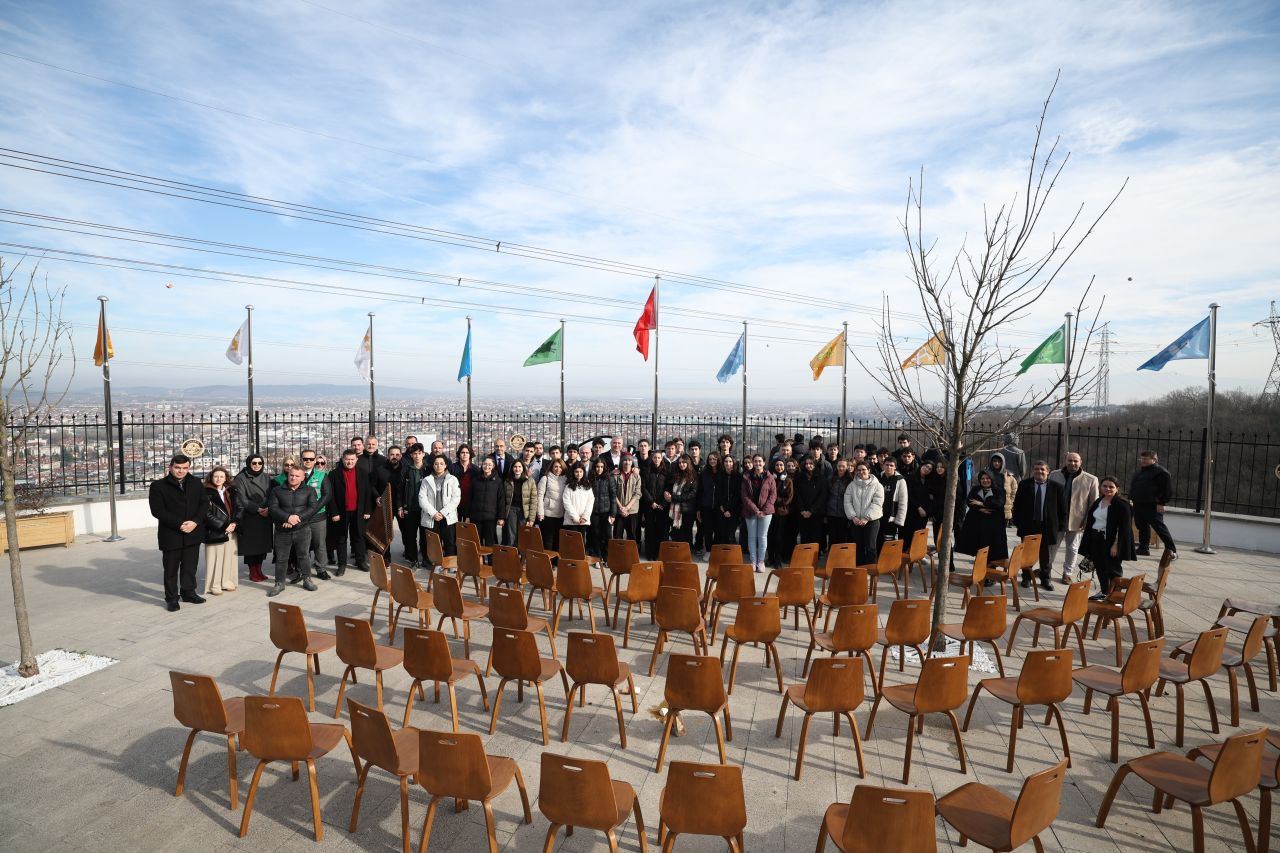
(1082, 490)
(1002, 478)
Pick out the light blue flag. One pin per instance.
(733, 363)
(1194, 343)
(464, 368)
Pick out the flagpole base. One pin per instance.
(1206, 549)
(114, 538)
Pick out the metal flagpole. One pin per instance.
(1205, 546)
(1066, 409)
(253, 433)
(562, 425)
(844, 386)
(653, 432)
(372, 405)
(744, 387)
(470, 440)
(106, 402)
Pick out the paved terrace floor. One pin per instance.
(92, 765)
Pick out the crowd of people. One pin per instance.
(313, 519)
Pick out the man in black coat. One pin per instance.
(1040, 507)
(501, 459)
(350, 509)
(179, 504)
(1149, 490)
(291, 507)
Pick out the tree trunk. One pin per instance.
(945, 537)
(27, 666)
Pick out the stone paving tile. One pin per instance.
(93, 764)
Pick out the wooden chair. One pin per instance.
(435, 554)
(276, 728)
(541, 576)
(759, 621)
(373, 741)
(381, 583)
(1204, 661)
(1005, 573)
(1120, 603)
(718, 556)
(842, 555)
(427, 658)
(642, 587)
(1031, 558)
(468, 532)
(1045, 680)
(916, 555)
(506, 610)
(573, 547)
(857, 628)
(881, 819)
(803, 555)
(198, 705)
(1233, 775)
(407, 592)
(981, 813)
(834, 687)
(694, 683)
(1238, 616)
(1152, 605)
(573, 584)
(471, 565)
(1139, 673)
(1240, 658)
(888, 562)
(577, 792)
(446, 593)
(515, 657)
(972, 582)
(702, 799)
(908, 625)
(357, 650)
(677, 610)
(1075, 605)
(289, 634)
(943, 684)
(984, 622)
(508, 571)
(622, 555)
(795, 590)
(732, 585)
(593, 659)
(848, 586)
(530, 539)
(455, 765)
(674, 552)
(679, 574)
(1268, 781)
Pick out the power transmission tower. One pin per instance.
(1272, 388)
(1102, 391)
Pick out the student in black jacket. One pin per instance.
(708, 499)
(604, 510)
(487, 502)
(654, 503)
(408, 510)
(810, 505)
(728, 508)
(681, 493)
(178, 502)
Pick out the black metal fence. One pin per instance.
(68, 454)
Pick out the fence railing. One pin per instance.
(68, 454)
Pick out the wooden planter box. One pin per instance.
(50, 528)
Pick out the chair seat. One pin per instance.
(534, 624)
(1242, 622)
(472, 610)
(1183, 778)
(484, 572)
(1106, 609)
(324, 737)
(388, 657)
(882, 639)
(732, 634)
(1266, 764)
(1230, 656)
(319, 641)
(406, 740)
(235, 715)
(959, 579)
(825, 641)
(1100, 679)
(549, 668)
(484, 550)
(954, 630)
(1004, 689)
(554, 555)
(449, 563)
(624, 797)
(836, 817)
(501, 771)
(900, 696)
(1044, 616)
(425, 600)
(1174, 670)
(874, 569)
(980, 813)
(462, 668)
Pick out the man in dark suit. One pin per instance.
(613, 459)
(178, 502)
(350, 509)
(501, 459)
(1040, 507)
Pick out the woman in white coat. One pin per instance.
(551, 503)
(863, 506)
(439, 496)
(579, 501)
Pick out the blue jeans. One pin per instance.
(757, 536)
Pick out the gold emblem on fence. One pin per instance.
(193, 448)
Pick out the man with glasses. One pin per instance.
(350, 510)
(178, 502)
(314, 476)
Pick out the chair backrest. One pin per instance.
(979, 566)
(909, 620)
(573, 578)
(572, 545)
(515, 655)
(1206, 657)
(426, 654)
(721, 554)
(1143, 665)
(1253, 640)
(537, 568)
(506, 564)
(1162, 575)
(1031, 550)
(506, 608)
(529, 539)
(577, 792)
(882, 819)
(1075, 603)
(985, 617)
(435, 550)
(276, 728)
(675, 552)
(848, 585)
(592, 658)
(1037, 805)
(622, 555)
(804, 554)
(1235, 773)
(677, 609)
(680, 574)
(468, 532)
(695, 683)
(943, 684)
(759, 619)
(404, 586)
(469, 562)
(197, 702)
(355, 642)
(735, 581)
(918, 548)
(371, 737)
(643, 581)
(795, 585)
(890, 558)
(453, 764)
(842, 555)
(446, 595)
(1015, 560)
(288, 627)
(378, 571)
(835, 684)
(704, 799)
(857, 626)
(1131, 595)
(1045, 676)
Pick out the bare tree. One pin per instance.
(969, 298)
(34, 343)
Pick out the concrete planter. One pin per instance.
(50, 528)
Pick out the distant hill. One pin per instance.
(274, 393)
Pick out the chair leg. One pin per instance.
(1197, 829)
(342, 689)
(276, 672)
(972, 702)
(248, 800)
(871, 719)
(777, 664)
(719, 737)
(1121, 772)
(1062, 730)
(568, 711)
(1114, 705)
(955, 730)
(666, 738)
(1244, 825)
(1014, 725)
(1253, 685)
(231, 769)
(1233, 695)
(626, 632)
(1181, 714)
(657, 650)
(1008, 650)
(497, 705)
(453, 706)
(911, 736)
(1264, 822)
(622, 726)
(182, 766)
(361, 775)
(857, 744)
(804, 737)
(995, 647)
(782, 715)
(1213, 708)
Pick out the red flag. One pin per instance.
(648, 320)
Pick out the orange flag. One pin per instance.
(102, 349)
(648, 320)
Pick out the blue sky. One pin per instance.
(765, 144)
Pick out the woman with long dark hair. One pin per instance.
(810, 504)
(728, 509)
(708, 499)
(864, 507)
(936, 486)
(604, 487)
(551, 503)
(464, 470)
(837, 524)
(579, 501)
(1108, 534)
(487, 507)
(250, 489)
(654, 503)
(627, 523)
(759, 497)
(521, 501)
(782, 534)
(219, 526)
(682, 498)
(919, 500)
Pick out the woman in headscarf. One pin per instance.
(253, 528)
(984, 521)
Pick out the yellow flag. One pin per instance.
(102, 349)
(831, 354)
(933, 351)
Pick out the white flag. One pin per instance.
(235, 351)
(364, 357)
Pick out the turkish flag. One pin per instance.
(648, 320)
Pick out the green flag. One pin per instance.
(552, 349)
(1052, 351)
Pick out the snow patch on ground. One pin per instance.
(57, 667)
